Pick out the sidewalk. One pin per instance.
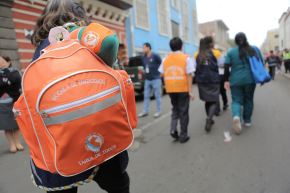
(286, 75)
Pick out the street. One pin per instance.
(257, 161)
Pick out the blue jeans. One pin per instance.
(243, 96)
(156, 86)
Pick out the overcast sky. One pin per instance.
(254, 17)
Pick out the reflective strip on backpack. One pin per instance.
(83, 112)
(81, 101)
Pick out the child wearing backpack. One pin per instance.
(111, 174)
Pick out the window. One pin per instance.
(175, 4)
(163, 17)
(142, 14)
(282, 44)
(185, 21)
(175, 29)
(195, 26)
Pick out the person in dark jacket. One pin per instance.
(10, 84)
(111, 176)
(151, 62)
(207, 78)
(273, 61)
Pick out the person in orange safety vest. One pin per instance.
(177, 69)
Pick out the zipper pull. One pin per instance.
(129, 81)
(16, 112)
(44, 114)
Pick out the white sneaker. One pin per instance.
(157, 114)
(228, 137)
(248, 124)
(237, 125)
(143, 114)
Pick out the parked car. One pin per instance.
(136, 72)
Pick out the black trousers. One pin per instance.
(287, 66)
(272, 71)
(180, 107)
(111, 177)
(223, 93)
(211, 108)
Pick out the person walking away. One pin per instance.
(223, 91)
(286, 60)
(273, 61)
(279, 65)
(207, 78)
(151, 62)
(240, 81)
(111, 176)
(10, 83)
(177, 69)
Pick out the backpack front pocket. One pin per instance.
(89, 125)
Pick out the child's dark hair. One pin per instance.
(205, 49)
(175, 44)
(57, 13)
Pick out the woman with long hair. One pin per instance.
(207, 78)
(111, 175)
(241, 81)
(10, 84)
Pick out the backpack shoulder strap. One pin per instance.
(213, 58)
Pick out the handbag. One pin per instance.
(260, 74)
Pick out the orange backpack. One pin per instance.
(75, 111)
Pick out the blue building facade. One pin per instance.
(157, 21)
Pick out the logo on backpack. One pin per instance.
(94, 142)
(91, 39)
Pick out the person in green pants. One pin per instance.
(241, 81)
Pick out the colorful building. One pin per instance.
(18, 18)
(157, 21)
(218, 30)
(284, 30)
(271, 42)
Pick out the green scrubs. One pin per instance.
(242, 85)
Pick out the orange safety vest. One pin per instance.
(175, 76)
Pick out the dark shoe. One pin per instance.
(225, 107)
(184, 139)
(217, 114)
(174, 135)
(208, 125)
